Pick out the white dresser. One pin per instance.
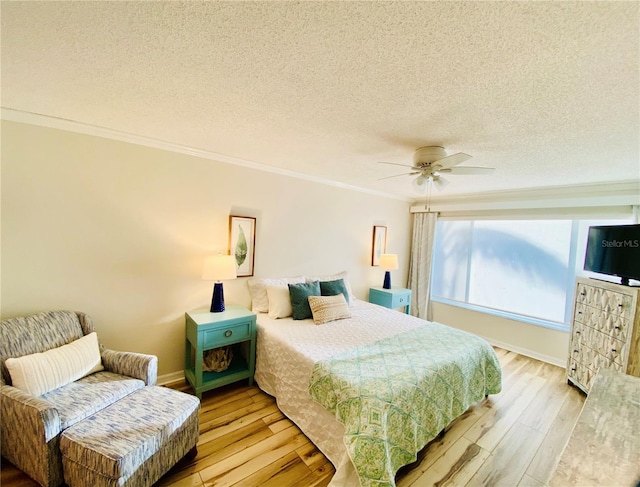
(605, 331)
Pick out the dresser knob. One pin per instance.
(228, 333)
(582, 293)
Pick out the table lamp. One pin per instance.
(388, 262)
(218, 268)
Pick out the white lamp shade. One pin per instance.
(219, 268)
(389, 262)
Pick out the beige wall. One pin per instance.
(534, 341)
(120, 231)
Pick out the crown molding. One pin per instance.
(37, 119)
(619, 193)
(612, 194)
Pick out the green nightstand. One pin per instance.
(235, 326)
(395, 297)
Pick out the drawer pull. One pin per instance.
(619, 305)
(613, 349)
(573, 369)
(617, 327)
(228, 333)
(583, 293)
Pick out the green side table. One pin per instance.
(235, 326)
(395, 297)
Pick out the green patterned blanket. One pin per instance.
(395, 395)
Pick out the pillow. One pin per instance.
(331, 288)
(279, 302)
(299, 294)
(334, 277)
(328, 308)
(258, 291)
(39, 373)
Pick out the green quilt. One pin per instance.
(395, 395)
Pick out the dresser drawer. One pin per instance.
(615, 351)
(580, 374)
(611, 302)
(583, 313)
(218, 337)
(586, 356)
(608, 323)
(615, 326)
(605, 331)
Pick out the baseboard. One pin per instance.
(170, 378)
(529, 353)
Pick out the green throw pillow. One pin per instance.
(332, 288)
(299, 294)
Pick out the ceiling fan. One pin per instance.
(429, 163)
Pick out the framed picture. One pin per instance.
(379, 245)
(242, 243)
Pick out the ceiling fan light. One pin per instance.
(440, 183)
(420, 183)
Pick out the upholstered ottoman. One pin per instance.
(133, 442)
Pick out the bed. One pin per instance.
(372, 390)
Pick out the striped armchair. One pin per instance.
(31, 426)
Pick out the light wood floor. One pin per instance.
(513, 439)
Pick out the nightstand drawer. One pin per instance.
(225, 335)
(400, 300)
(391, 298)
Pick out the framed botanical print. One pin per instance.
(242, 243)
(379, 245)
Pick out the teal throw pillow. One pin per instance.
(299, 294)
(333, 288)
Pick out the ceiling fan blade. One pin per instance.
(396, 164)
(452, 160)
(396, 175)
(468, 170)
(440, 183)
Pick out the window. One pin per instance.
(521, 269)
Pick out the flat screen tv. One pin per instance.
(614, 250)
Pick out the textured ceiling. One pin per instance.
(548, 93)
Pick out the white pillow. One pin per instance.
(258, 290)
(334, 277)
(39, 373)
(279, 302)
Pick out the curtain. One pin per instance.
(424, 227)
(636, 213)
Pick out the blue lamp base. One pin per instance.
(217, 300)
(387, 280)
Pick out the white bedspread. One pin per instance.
(287, 349)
